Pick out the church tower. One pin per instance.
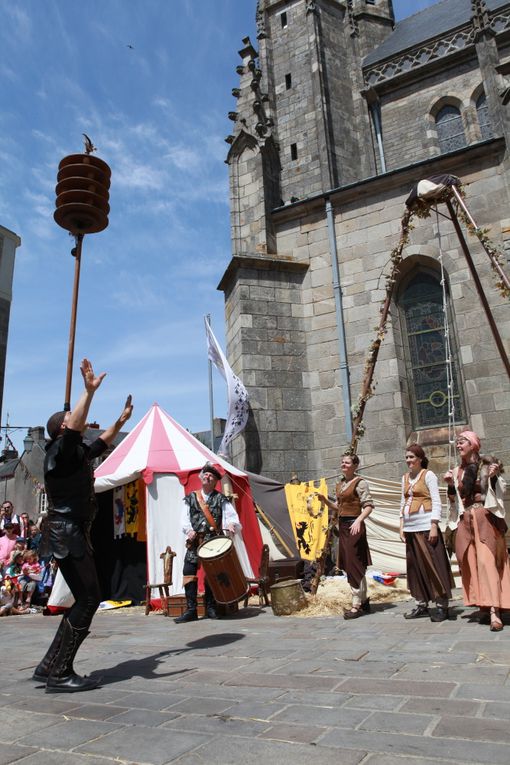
(300, 127)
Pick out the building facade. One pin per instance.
(339, 113)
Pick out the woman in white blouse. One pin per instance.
(429, 575)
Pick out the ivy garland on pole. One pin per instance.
(421, 209)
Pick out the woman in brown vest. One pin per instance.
(354, 504)
(480, 540)
(428, 570)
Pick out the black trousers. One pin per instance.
(81, 577)
(191, 569)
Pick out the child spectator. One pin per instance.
(7, 594)
(31, 573)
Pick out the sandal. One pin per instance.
(496, 623)
(354, 613)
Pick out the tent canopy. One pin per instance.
(157, 444)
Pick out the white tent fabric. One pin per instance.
(165, 454)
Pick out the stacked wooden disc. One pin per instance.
(82, 190)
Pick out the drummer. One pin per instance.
(209, 514)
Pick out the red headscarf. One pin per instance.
(473, 439)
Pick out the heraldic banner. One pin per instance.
(309, 521)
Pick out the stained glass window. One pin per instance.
(450, 130)
(422, 311)
(484, 120)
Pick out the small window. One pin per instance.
(484, 120)
(450, 129)
(283, 19)
(293, 151)
(288, 81)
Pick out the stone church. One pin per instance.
(339, 112)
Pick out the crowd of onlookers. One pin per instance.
(25, 578)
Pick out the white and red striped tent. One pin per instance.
(169, 459)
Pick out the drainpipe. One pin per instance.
(342, 346)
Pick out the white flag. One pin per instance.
(237, 395)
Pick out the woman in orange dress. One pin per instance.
(480, 540)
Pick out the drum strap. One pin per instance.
(205, 509)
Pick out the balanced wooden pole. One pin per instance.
(479, 288)
(72, 329)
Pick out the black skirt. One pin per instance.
(429, 576)
(353, 551)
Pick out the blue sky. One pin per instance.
(157, 113)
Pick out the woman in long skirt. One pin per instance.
(429, 577)
(354, 504)
(480, 545)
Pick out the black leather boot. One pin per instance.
(210, 604)
(42, 671)
(417, 613)
(62, 677)
(191, 614)
(441, 614)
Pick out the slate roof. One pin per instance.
(425, 25)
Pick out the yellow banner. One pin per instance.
(134, 504)
(309, 520)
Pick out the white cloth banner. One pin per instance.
(237, 395)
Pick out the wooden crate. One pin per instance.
(177, 606)
(286, 568)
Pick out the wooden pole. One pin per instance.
(479, 288)
(496, 266)
(72, 329)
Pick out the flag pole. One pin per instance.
(211, 397)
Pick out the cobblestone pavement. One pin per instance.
(256, 688)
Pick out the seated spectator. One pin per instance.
(31, 573)
(45, 586)
(7, 544)
(24, 526)
(13, 568)
(34, 537)
(13, 571)
(8, 515)
(7, 596)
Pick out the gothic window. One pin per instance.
(450, 130)
(484, 120)
(421, 307)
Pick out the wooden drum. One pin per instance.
(223, 570)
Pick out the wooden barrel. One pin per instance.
(287, 597)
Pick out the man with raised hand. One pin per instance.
(69, 484)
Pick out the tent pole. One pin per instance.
(479, 288)
(272, 529)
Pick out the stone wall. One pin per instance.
(367, 228)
